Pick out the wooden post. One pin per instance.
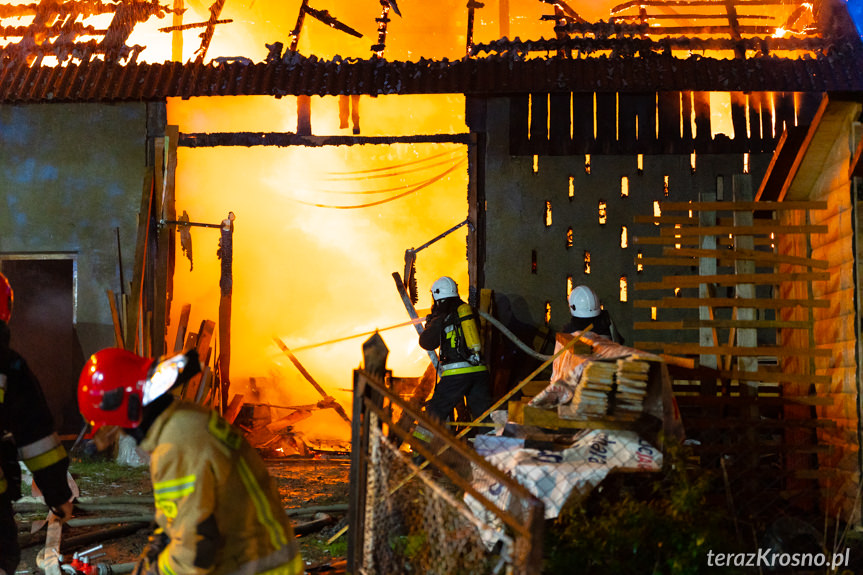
(226, 286)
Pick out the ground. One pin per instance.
(302, 483)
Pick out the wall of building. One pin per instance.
(527, 259)
(823, 176)
(71, 176)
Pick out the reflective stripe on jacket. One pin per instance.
(215, 499)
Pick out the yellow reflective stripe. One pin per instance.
(47, 459)
(262, 506)
(164, 566)
(459, 370)
(174, 488)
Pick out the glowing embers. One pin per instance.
(587, 164)
(547, 312)
(602, 209)
(640, 164)
(624, 237)
(624, 187)
(657, 211)
(746, 163)
(665, 186)
(569, 286)
(586, 262)
(639, 262)
(568, 238)
(692, 162)
(571, 193)
(624, 289)
(653, 313)
(548, 214)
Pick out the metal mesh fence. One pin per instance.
(434, 507)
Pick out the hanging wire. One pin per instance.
(341, 175)
(390, 199)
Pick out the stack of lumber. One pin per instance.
(593, 393)
(630, 387)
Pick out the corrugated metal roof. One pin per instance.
(99, 81)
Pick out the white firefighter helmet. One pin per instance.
(583, 302)
(444, 287)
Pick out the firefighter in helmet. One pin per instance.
(217, 508)
(452, 327)
(585, 310)
(26, 433)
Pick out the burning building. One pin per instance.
(342, 137)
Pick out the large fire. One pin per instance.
(310, 274)
(319, 231)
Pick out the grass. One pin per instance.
(107, 477)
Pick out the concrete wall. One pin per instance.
(515, 199)
(70, 175)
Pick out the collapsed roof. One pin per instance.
(646, 46)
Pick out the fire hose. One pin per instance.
(514, 338)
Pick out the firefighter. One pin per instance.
(452, 327)
(217, 508)
(26, 433)
(585, 310)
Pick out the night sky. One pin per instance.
(855, 7)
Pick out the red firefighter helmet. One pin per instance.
(111, 388)
(5, 299)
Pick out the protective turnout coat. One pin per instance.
(26, 434)
(215, 500)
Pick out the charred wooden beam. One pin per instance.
(285, 139)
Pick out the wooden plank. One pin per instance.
(659, 220)
(182, 326)
(745, 447)
(135, 303)
(670, 262)
(286, 350)
(733, 279)
(234, 408)
(748, 230)
(743, 254)
(697, 388)
(693, 241)
(115, 318)
(775, 376)
(706, 400)
(689, 302)
(202, 346)
(721, 323)
(742, 206)
(745, 290)
(707, 266)
(686, 348)
(764, 423)
(528, 415)
(412, 312)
